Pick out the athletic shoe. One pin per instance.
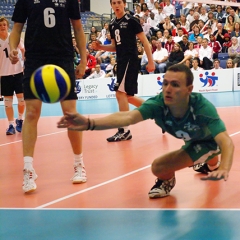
(203, 168)
(120, 136)
(80, 175)
(19, 123)
(10, 130)
(29, 177)
(162, 188)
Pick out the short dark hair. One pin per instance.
(124, 1)
(182, 68)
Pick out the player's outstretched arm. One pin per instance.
(78, 122)
(227, 148)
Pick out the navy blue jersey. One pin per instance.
(48, 27)
(124, 31)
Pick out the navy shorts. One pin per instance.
(11, 84)
(127, 76)
(31, 65)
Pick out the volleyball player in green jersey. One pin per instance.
(183, 114)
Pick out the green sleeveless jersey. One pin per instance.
(200, 123)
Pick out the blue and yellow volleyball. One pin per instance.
(50, 83)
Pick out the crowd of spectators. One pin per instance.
(196, 37)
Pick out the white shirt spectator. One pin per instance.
(190, 18)
(98, 73)
(205, 52)
(192, 53)
(197, 69)
(168, 10)
(160, 54)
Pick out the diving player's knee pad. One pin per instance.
(8, 102)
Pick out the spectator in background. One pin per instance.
(208, 33)
(153, 22)
(196, 17)
(113, 72)
(104, 31)
(177, 27)
(169, 10)
(91, 50)
(216, 64)
(229, 25)
(111, 65)
(176, 55)
(159, 36)
(203, 14)
(234, 51)
(215, 45)
(234, 15)
(146, 28)
(219, 14)
(227, 44)
(166, 33)
(190, 17)
(160, 57)
(153, 41)
(186, 6)
(184, 23)
(168, 25)
(160, 16)
(229, 63)
(205, 55)
(108, 39)
(196, 33)
(138, 11)
(184, 44)
(195, 65)
(198, 45)
(219, 33)
(91, 64)
(169, 44)
(190, 53)
(236, 30)
(97, 73)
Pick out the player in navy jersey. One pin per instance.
(48, 40)
(183, 114)
(124, 29)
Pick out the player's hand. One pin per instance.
(73, 121)
(216, 175)
(150, 67)
(80, 70)
(96, 45)
(14, 56)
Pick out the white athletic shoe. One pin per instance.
(29, 177)
(80, 175)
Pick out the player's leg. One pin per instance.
(75, 138)
(164, 168)
(29, 138)
(7, 91)
(136, 101)
(21, 103)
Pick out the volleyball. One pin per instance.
(50, 83)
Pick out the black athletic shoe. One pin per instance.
(120, 136)
(162, 188)
(203, 168)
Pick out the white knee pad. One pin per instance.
(21, 102)
(8, 102)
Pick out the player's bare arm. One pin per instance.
(81, 45)
(97, 45)
(14, 40)
(227, 148)
(80, 123)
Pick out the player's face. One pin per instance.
(175, 90)
(118, 7)
(3, 27)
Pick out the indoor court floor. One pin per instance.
(113, 204)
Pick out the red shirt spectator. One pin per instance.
(216, 46)
(91, 64)
(169, 44)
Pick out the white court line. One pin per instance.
(91, 188)
(101, 184)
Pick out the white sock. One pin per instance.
(28, 162)
(78, 159)
(214, 167)
(20, 116)
(11, 122)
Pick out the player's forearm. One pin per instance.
(108, 47)
(14, 40)
(81, 43)
(227, 150)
